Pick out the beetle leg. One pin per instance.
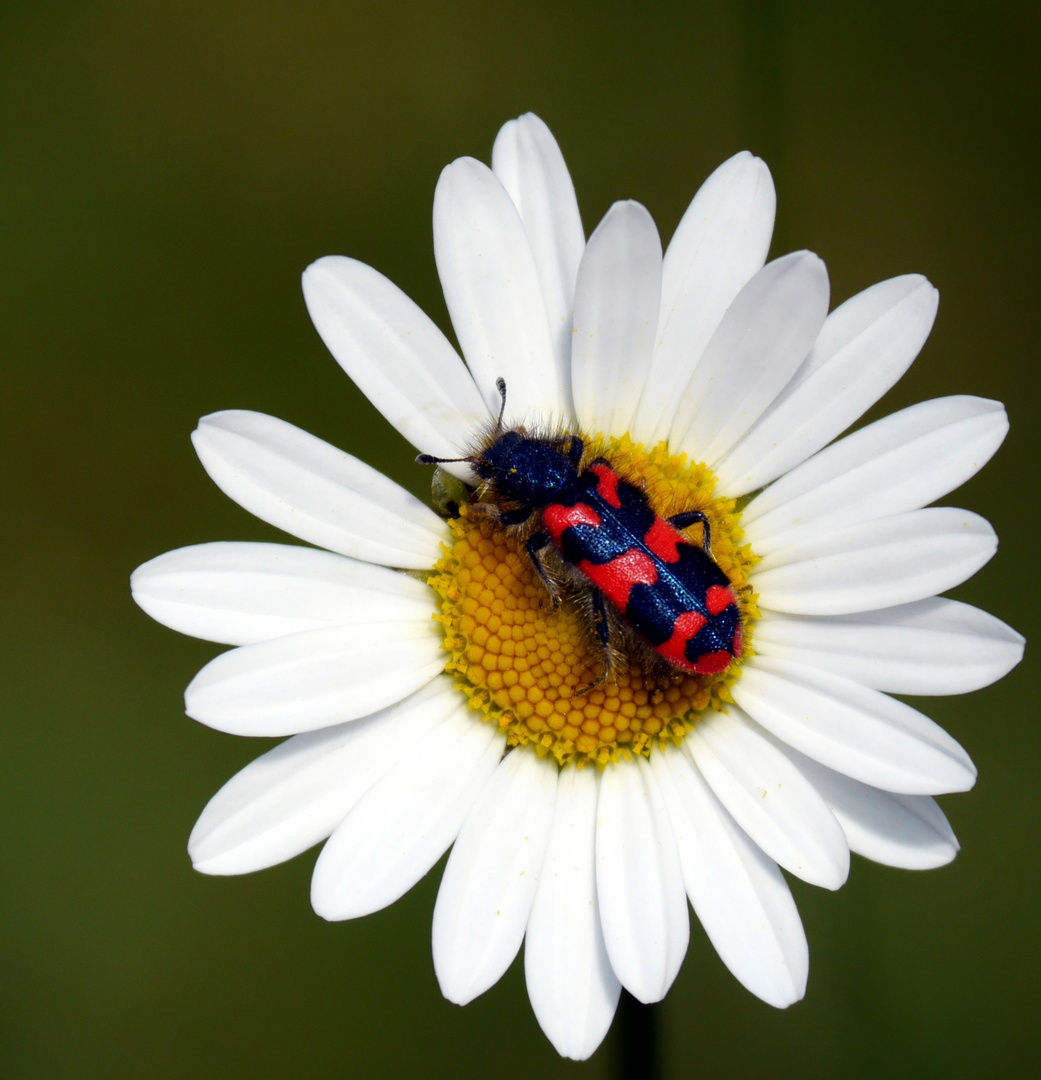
(483, 509)
(600, 623)
(694, 517)
(502, 517)
(515, 517)
(535, 543)
(602, 626)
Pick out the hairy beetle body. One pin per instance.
(668, 590)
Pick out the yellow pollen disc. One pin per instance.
(522, 664)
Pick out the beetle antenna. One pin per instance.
(429, 459)
(500, 385)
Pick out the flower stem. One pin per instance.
(639, 1050)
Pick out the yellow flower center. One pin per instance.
(527, 667)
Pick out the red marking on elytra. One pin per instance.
(615, 579)
(739, 640)
(718, 598)
(607, 484)
(663, 540)
(683, 629)
(557, 518)
(713, 663)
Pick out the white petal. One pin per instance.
(852, 729)
(933, 646)
(897, 464)
(239, 593)
(639, 883)
(865, 345)
(769, 798)
(295, 795)
(617, 300)
(528, 162)
(573, 991)
(400, 360)
(406, 820)
(489, 883)
(314, 679)
(908, 831)
(310, 489)
(763, 338)
(494, 296)
(738, 893)
(719, 244)
(876, 564)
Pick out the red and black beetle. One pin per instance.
(668, 590)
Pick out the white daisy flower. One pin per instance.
(432, 696)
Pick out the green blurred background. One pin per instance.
(167, 169)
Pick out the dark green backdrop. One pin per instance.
(167, 168)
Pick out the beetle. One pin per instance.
(669, 591)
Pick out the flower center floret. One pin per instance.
(528, 667)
